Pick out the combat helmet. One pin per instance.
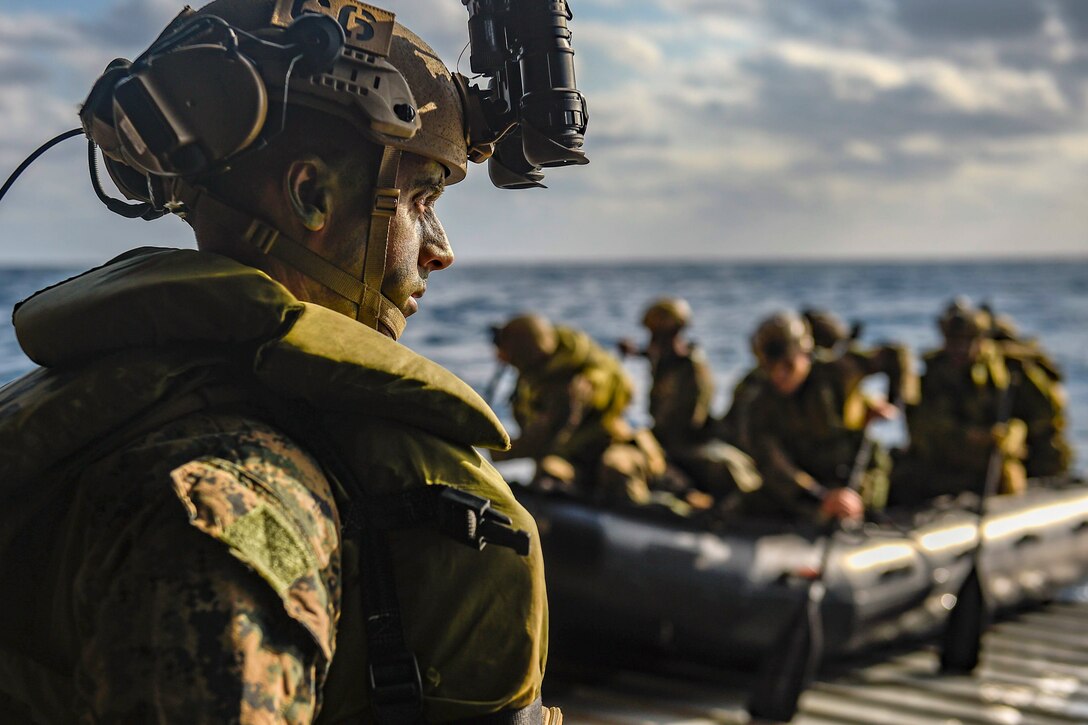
(828, 330)
(526, 339)
(780, 336)
(961, 319)
(343, 58)
(667, 313)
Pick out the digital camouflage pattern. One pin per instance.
(237, 588)
(183, 550)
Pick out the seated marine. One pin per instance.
(978, 400)
(830, 336)
(569, 401)
(680, 398)
(1004, 331)
(806, 426)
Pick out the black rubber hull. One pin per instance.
(649, 582)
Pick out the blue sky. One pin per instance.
(719, 129)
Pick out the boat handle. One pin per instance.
(896, 573)
(1027, 539)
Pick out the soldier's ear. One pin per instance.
(308, 186)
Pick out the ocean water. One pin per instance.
(1048, 299)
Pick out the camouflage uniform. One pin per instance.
(680, 398)
(735, 426)
(177, 533)
(807, 442)
(570, 410)
(830, 337)
(950, 428)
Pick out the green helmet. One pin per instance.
(827, 329)
(384, 80)
(526, 339)
(780, 336)
(667, 313)
(961, 319)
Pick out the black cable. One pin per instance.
(34, 156)
(138, 210)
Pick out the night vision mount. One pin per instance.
(531, 114)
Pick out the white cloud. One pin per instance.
(622, 46)
(968, 90)
(922, 146)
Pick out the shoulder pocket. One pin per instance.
(247, 514)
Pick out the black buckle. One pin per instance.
(396, 681)
(471, 520)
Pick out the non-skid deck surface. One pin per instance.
(1034, 671)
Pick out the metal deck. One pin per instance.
(1034, 671)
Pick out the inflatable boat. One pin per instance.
(647, 580)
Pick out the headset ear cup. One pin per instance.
(319, 39)
(96, 114)
(172, 121)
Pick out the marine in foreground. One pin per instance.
(230, 495)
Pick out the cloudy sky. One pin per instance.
(719, 129)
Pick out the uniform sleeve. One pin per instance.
(207, 589)
(182, 631)
(547, 410)
(783, 479)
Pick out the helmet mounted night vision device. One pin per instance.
(160, 117)
(211, 89)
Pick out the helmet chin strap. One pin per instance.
(373, 309)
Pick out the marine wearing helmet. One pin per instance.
(960, 421)
(569, 402)
(807, 422)
(681, 394)
(220, 471)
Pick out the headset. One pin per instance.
(157, 118)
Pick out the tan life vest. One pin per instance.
(155, 330)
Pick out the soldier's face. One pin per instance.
(787, 375)
(417, 241)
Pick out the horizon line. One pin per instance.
(679, 260)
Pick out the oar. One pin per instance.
(791, 664)
(970, 615)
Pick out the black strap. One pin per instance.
(530, 715)
(393, 672)
(395, 686)
(396, 691)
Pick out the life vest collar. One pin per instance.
(153, 298)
